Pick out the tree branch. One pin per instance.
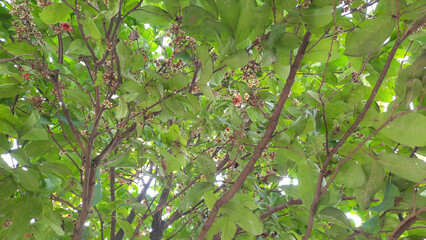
(265, 140)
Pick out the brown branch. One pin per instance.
(18, 57)
(318, 191)
(405, 224)
(262, 144)
(56, 198)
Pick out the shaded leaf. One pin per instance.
(409, 129)
(207, 166)
(351, 175)
(412, 169)
(367, 39)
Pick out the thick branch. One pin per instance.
(405, 224)
(265, 140)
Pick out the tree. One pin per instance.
(184, 119)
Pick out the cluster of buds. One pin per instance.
(270, 156)
(37, 102)
(62, 152)
(108, 77)
(169, 209)
(306, 3)
(271, 171)
(355, 76)
(262, 178)
(254, 102)
(214, 56)
(180, 185)
(360, 135)
(256, 43)
(180, 40)
(61, 88)
(44, 3)
(107, 103)
(168, 63)
(7, 223)
(337, 129)
(25, 27)
(250, 71)
(338, 31)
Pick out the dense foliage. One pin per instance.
(201, 119)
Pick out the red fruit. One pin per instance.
(25, 76)
(66, 26)
(237, 100)
(27, 235)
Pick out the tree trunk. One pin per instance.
(87, 198)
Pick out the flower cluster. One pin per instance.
(44, 3)
(37, 102)
(25, 28)
(250, 73)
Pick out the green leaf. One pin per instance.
(152, 15)
(243, 217)
(409, 129)
(316, 18)
(194, 15)
(207, 166)
(52, 220)
(126, 226)
(367, 39)
(206, 72)
(228, 228)
(229, 12)
(78, 47)
(91, 28)
(28, 179)
(292, 154)
(138, 61)
(210, 199)
(391, 191)
(175, 163)
(18, 48)
(178, 81)
(97, 195)
(372, 225)
(319, 53)
(8, 186)
(335, 216)
(57, 168)
(376, 174)
(307, 175)
(79, 97)
(124, 56)
(351, 175)
(288, 41)
(36, 134)
(237, 59)
(8, 90)
(55, 13)
(243, 29)
(412, 169)
(122, 109)
(194, 195)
